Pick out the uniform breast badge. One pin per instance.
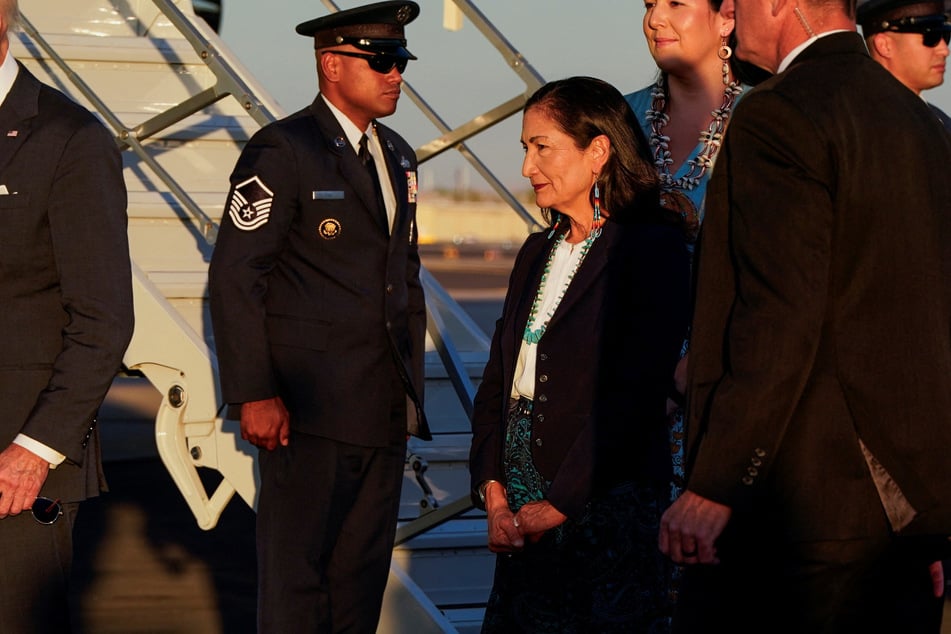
(329, 229)
(412, 187)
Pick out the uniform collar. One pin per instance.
(352, 132)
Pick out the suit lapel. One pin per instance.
(400, 170)
(522, 304)
(396, 167)
(589, 272)
(16, 116)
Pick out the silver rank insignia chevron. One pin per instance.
(250, 204)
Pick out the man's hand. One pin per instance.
(680, 375)
(690, 528)
(937, 579)
(504, 536)
(534, 518)
(22, 474)
(265, 423)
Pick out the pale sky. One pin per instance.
(458, 73)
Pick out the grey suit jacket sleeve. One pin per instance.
(87, 223)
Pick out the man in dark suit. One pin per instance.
(910, 39)
(819, 487)
(319, 322)
(66, 318)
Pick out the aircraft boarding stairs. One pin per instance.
(181, 107)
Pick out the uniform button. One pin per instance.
(388, 325)
(753, 471)
(538, 442)
(542, 399)
(757, 462)
(759, 453)
(543, 378)
(389, 289)
(543, 357)
(540, 418)
(747, 480)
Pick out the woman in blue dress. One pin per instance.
(684, 115)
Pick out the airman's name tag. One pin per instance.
(328, 194)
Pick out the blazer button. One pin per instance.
(543, 378)
(753, 471)
(389, 289)
(747, 480)
(759, 453)
(756, 462)
(538, 442)
(543, 357)
(542, 399)
(540, 418)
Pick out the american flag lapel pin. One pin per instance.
(13, 132)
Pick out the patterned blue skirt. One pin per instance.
(601, 573)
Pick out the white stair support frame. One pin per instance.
(188, 431)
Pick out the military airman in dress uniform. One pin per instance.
(910, 39)
(319, 323)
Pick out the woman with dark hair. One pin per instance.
(695, 92)
(569, 454)
(685, 112)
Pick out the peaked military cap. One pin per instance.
(876, 16)
(375, 28)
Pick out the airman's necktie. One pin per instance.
(370, 164)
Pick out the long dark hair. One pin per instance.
(586, 107)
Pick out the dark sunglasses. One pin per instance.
(380, 62)
(46, 511)
(931, 38)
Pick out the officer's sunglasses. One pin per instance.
(380, 62)
(46, 511)
(931, 38)
(933, 28)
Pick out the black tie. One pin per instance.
(367, 159)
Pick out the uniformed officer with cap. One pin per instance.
(910, 39)
(319, 323)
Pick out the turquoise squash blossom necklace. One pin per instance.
(533, 335)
